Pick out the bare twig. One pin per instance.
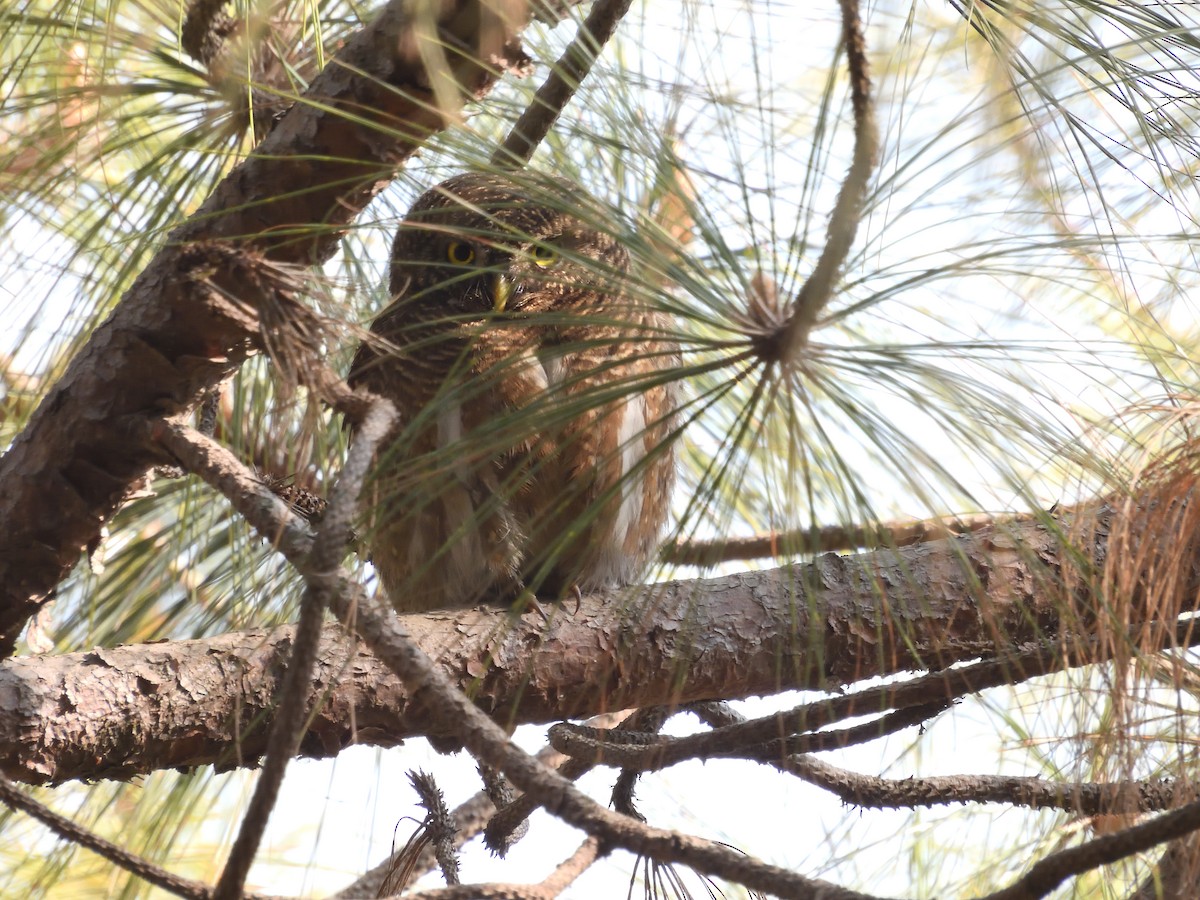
(641, 752)
(1081, 798)
(509, 818)
(439, 823)
(1048, 873)
(321, 577)
(469, 819)
(1088, 798)
(502, 839)
(652, 752)
(560, 85)
(255, 501)
(76, 834)
(573, 866)
(558, 881)
(827, 539)
(651, 720)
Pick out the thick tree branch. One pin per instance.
(123, 711)
(367, 112)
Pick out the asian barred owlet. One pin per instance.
(535, 400)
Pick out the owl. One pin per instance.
(535, 395)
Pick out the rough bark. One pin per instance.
(119, 712)
(69, 470)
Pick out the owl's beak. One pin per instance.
(501, 291)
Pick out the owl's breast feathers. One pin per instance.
(532, 449)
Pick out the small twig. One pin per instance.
(554, 884)
(642, 752)
(500, 841)
(439, 823)
(510, 817)
(470, 818)
(573, 866)
(225, 473)
(321, 577)
(1048, 873)
(827, 539)
(785, 344)
(1080, 798)
(560, 85)
(1087, 798)
(653, 753)
(651, 720)
(77, 834)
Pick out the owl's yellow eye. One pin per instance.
(460, 254)
(543, 257)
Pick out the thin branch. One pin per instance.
(649, 752)
(1048, 873)
(1087, 798)
(507, 820)
(826, 539)
(439, 824)
(321, 578)
(555, 883)
(470, 818)
(77, 834)
(247, 493)
(645, 749)
(573, 866)
(560, 85)
(1080, 798)
(502, 839)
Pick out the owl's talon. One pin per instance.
(526, 600)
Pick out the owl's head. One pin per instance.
(479, 244)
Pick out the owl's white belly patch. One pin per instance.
(466, 555)
(615, 564)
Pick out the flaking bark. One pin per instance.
(129, 710)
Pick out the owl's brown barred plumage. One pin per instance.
(534, 396)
